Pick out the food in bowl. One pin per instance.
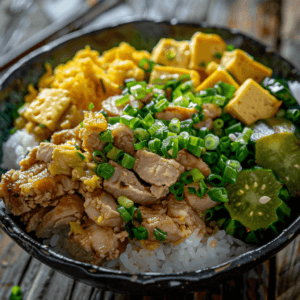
(160, 169)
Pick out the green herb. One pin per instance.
(91, 106)
(46, 141)
(81, 156)
(105, 170)
(13, 130)
(42, 125)
(218, 55)
(230, 48)
(81, 124)
(159, 234)
(202, 64)
(170, 55)
(16, 293)
(140, 233)
(124, 213)
(76, 147)
(98, 153)
(124, 201)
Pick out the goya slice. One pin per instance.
(281, 153)
(254, 198)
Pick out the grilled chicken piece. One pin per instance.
(210, 111)
(33, 218)
(45, 152)
(102, 209)
(183, 214)
(179, 112)
(152, 218)
(123, 138)
(124, 183)
(23, 190)
(197, 203)
(69, 209)
(159, 191)
(109, 105)
(66, 135)
(190, 161)
(95, 243)
(157, 170)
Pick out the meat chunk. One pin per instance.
(183, 214)
(102, 209)
(23, 190)
(211, 112)
(179, 112)
(95, 244)
(109, 105)
(159, 191)
(124, 183)
(66, 135)
(157, 170)
(45, 151)
(33, 218)
(69, 209)
(152, 218)
(190, 161)
(123, 138)
(197, 203)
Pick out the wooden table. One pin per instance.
(275, 23)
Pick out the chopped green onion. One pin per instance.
(233, 164)
(129, 110)
(98, 153)
(124, 201)
(280, 113)
(174, 125)
(234, 146)
(81, 156)
(208, 215)
(140, 145)
(225, 142)
(124, 213)
(154, 145)
(128, 228)
(234, 128)
(46, 141)
(215, 180)
(215, 170)
(222, 162)
(120, 157)
(203, 132)
(210, 157)
(230, 47)
(135, 213)
(245, 136)
(161, 105)
(159, 234)
(170, 54)
(140, 233)
(217, 55)
(141, 134)
(123, 100)
(138, 91)
(195, 118)
(192, 190)
(148, 121)
(211, 142)
(129, 121)
(81, 124)
(13, 130)
(105, 170)
(129, 82)
(292, 114)
(181, 101)
(144, 62)
(194, 146)
(183, 139)
(113, 120)
(42, 125)
(175, 148)
(113, 153)
(218, 123)
(91, 106)
(230, 174)
(107, 148)
(197, 175)
(218, 194)
(176, 187)
(186, 178)
(128, 161)
(16, 293)
(106, 136)
(242, 153)
(202, 189)
(186, 125)
(155, 126)
(219, 100)
(76, 146)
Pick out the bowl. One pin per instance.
(142, 34)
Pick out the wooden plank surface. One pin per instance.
(273, 22)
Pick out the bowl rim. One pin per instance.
(241, 262)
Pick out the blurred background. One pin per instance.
(28, 24)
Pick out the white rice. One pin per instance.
(15, 148)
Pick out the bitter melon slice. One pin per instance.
(254, 198)
(281, 153)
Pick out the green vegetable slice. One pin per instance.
(281, 153)
(254, 198)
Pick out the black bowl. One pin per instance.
(141, 35)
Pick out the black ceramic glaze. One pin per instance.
(141, 35)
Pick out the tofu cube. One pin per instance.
(252, 103)
(172, 53)
(241, 66)
(211, 67)
(204, 49)
(166, 73)
(214, 78)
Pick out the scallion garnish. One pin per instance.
(124, 213)
(218, 194)
(80, 155)
(159, 234)
(197, 175)
(124, 201)
(211, 142)
(98, 153)
(140, 233)
(113, 153)
(113, 120)
(91, 106)
(128, 161)
(218, 55)
(123, 100)
(106, 136)
(215, 180)
(174, 125)
(186, 178)
(105, 170)
(202, 189)
(135, 213)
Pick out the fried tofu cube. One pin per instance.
(252, 103)
(214, 78)
(211, 67)
(172, 53)
(242, 66)
(204, 49)
(48, 107)
(165, 73)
